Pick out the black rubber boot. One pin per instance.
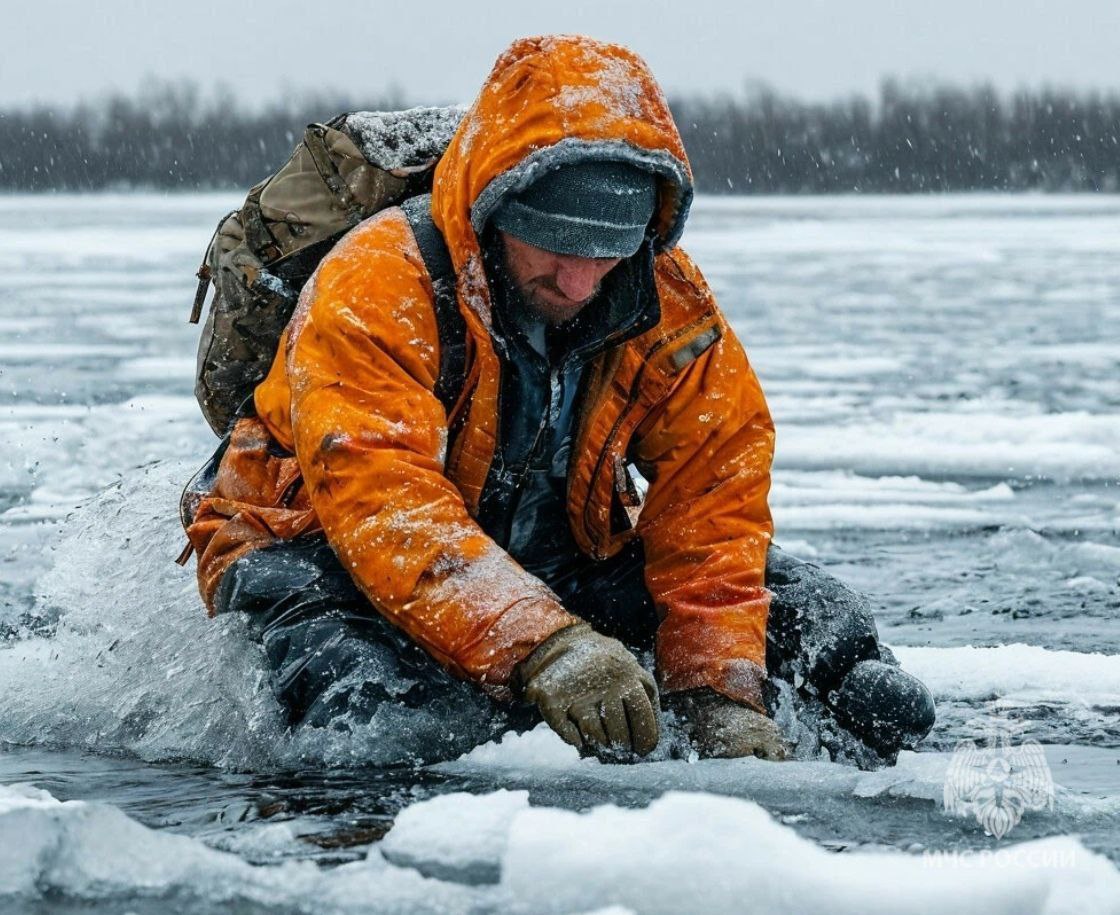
(882, 705)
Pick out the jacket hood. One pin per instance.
(551, 101)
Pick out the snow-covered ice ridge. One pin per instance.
(495, 852)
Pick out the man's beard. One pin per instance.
(547, 311)
(528, 298)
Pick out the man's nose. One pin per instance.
(577, 277)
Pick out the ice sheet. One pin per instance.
(1023, 673)
(942, 372)
(660, 859)
(1066, 446)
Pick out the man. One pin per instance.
(364, 525)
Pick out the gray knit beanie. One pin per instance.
(586, 209)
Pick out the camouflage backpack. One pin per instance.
(261, 255)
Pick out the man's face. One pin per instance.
(556, 287)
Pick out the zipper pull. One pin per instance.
(630, 497)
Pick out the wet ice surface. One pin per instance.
(944, 377)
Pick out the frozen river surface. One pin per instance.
(945, 378)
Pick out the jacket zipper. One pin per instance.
(631, 401)
(554, 373)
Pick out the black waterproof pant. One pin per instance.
(334, 659)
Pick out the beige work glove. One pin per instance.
(722, 728)
(592, 692)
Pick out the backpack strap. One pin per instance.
(452, 327)
(261, 241)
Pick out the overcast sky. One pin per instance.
(441, 50)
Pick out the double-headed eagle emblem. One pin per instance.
(999, 782)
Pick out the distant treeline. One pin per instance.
(910, 138)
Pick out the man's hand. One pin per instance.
(592, 692)
(719, 727)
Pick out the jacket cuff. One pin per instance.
(737, 678)
(516, 634)
(723, 648)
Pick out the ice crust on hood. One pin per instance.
(615, 89)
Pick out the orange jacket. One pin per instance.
(350, 395)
